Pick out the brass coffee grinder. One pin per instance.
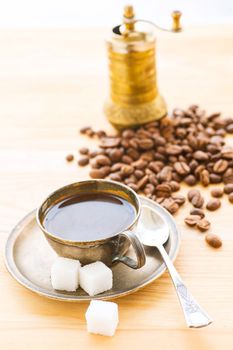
(134, 95)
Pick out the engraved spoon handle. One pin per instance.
(195, 316)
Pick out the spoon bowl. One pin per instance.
(155, 231)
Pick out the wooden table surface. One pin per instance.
(52, 82)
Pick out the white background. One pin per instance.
(102, 13)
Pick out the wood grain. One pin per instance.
(52, 82)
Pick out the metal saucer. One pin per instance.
(29, 257)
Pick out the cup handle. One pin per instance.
(139, 251)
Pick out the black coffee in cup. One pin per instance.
(89, 217)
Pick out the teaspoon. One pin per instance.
(154, 232)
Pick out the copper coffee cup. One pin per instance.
(110, 250)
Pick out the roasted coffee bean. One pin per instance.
(229, 128)
(228, 121)
(221, 132)
(147, 171)
(159, 157)
(106, 169)
(190, 180)
(218, 140)
(217, 192)
(161, 150)
(218, 123)
(89, 132)
(129, 180)
(153, 179)
(165, 174)
(84, 150)
(186, 149)
(192, 220)
(181, 158)
(97, 174)
(84, 129)
(116, 167)
(179, 199)
(227, 153)
(146, 144)
(159, 141)
(228, 188)
(197, 201)
(128, 133)
(156, 166)
(213, 116)
(228, 176)
(170, 205)
(199, 212)
(215, 179)
(192, 140)
(213, 204)
(147, 156)
(115, 177)
(83, 161)
(125, 143)
(210, 131)
(213, 148)
(205, 177)
(94, 164)
(102, 160)
(115, 154)
(193, 193)
(142, 182)
(200, 156)
(138, 174)
(181, 133)
(213, 240)
(198, 170)
(140, 164)
(172, 159)
(133, 153)
(193, 165)
(142, 133)
(133, 143)
(126, 159)
(110, 142)
(203, 225)
(163, 190)
(175, 186)
(100, 133)
(210, 166)
(193, 108)
(182, 168)
(230, 197)
(176, 177)
(185, 121)
(220, 166)
(173, 150)
(127, 170)
(93, 154)
(69, 157)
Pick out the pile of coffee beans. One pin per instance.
(154, 159)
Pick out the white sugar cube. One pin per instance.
(95, 278)
(65, 274)
(102, 317)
